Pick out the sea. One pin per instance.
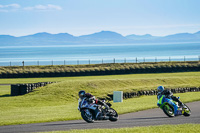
(98, 54)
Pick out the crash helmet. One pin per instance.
(160, 88)
(81, 93)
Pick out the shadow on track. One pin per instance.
(78, 123)
(147, 118)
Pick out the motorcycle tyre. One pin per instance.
(85, 118)
(187, 114)
(113, 118)
(166, 112)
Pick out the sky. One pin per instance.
(82, 17)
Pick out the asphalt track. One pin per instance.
(141, 118)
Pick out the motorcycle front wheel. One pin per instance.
(113, 115)
(168, 110)
(87, 116)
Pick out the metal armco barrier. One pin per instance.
(21, 89)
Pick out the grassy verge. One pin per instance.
(186, 128)
(194, 76)
(57, 102)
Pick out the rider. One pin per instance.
(162, 94)
(91, 99)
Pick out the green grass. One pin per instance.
(58, 101)
(182, 128)
(159, 76)
(102, 85)
(4, 91)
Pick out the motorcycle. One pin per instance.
(90, 111)
(168, 108)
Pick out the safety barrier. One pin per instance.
(155, 92)
(21, 89)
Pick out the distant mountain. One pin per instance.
(7, 40)
(181, 37)
(141, 37)
(197, 33)
(103, 37)
(44, 35)
(47, 39)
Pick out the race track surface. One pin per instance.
(141, 118)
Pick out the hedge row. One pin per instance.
(154, 92)
(21, 89)
(104, 71)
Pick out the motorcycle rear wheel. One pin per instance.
(87, 116)
(187, 112)
(113, 115)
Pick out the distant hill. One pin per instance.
(7, 40)
(47, 39)
(141, 37)
(104, 37)
(182, 37)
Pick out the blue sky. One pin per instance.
(81, 17)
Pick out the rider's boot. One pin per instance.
(99, 116)
(106, 106)
(183, 106)
(179, 112)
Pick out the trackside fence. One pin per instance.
(99, 61)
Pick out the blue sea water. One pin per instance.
(97, 53)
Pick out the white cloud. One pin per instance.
(16, 7)
(44, 7)
(10, 7)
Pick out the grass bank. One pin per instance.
(102, 85)
(182, 128)
(68, 68)
(58, 101)
(97, 69)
